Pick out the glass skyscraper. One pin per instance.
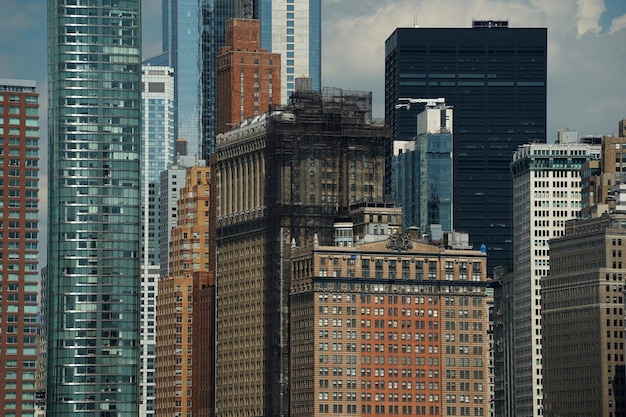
(423, 173)
(293, 28)
(193, 31)
(94, 81)
(495, 78)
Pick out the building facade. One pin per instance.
(423, 173)
(286, 176)
(248, 77)
(293, 29)
(394, 327)
(546, 193)
(94, 79)
(495, 78)
(157, 153)
(19, 179)
(176, 327)
(583, 319)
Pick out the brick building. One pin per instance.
(248, 76)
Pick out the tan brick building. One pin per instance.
(190, 287)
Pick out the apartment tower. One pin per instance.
(248, 78)
(286, 176)
(546, 193)
(494, 77)
(391, 327)
(19, 237)
(94, 81)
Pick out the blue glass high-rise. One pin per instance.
(193, 31)
(94, 81)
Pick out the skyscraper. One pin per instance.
(293, 29)
(495, 78)
(287, 175)
(193, 32)
(157, 153)
(546, 193)
(19, 239)
(94, 76)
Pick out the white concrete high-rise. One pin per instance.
(157, 153)
(546, 193)
(293, 29)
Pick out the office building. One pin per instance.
(423, 173)
(94, 76)
(286, 176)
(394, 327)
(293, 29)
(193, 32)
(546, 193)
(494, 77)
(583, 318)
(19, 239)
(248, 78)
(42, 345)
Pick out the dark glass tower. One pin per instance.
(495, 78)
(94, 82)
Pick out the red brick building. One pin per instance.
(394, 327)
(248, 77)
(19, 209)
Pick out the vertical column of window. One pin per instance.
(290, 59)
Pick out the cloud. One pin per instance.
(618, 24)
(589, 14)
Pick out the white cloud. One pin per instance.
(582, 93)
(618, 24)
(589, 13)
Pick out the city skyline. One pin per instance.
(353, 36)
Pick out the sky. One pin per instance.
(586, 51)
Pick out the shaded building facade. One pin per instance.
(495, 78)
(393, 327)
(583, 319)
(94, 79)
(248, 77)
(286, 176)
(19, 238)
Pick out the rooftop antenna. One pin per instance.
(415, 25)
